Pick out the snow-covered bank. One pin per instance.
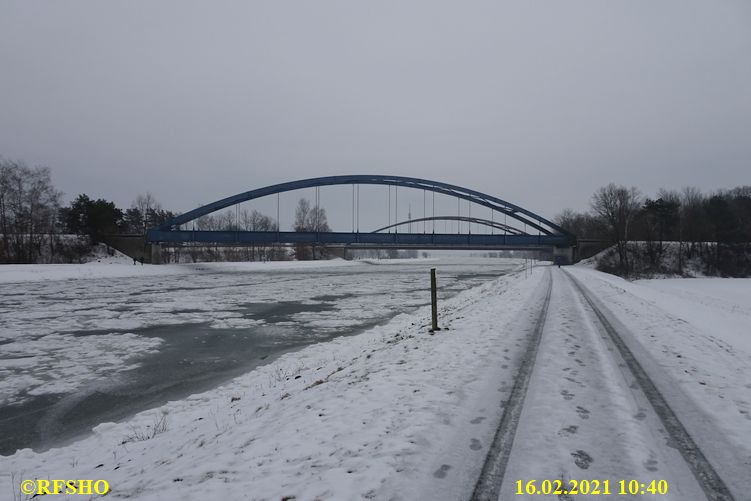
(363, 415)
(718, 306)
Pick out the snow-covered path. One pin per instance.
(585, 417)
(691, 345)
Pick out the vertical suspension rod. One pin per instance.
(433, 222)
(358, 208)
(353, 208)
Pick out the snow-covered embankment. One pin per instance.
(387, 412)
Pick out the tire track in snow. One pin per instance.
(488, 486)
(584, 416)
(713, 486)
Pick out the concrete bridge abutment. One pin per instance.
(156, 253)
(563, 255)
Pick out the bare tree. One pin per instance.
(317, 220)
(146, 209)
(29, 206)
(672, 219)
(693, 218)
(617, 206)
(235, 220)
(659, 217)
(256, 221)
(581, 224)
(302, 214)
(309, 218)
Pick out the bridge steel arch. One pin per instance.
(464, 219)
(548, 233)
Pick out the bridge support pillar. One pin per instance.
(156, 254)
(563, 255)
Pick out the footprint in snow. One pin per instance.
(582, 459)
(583, 413)
(640, 415)
(478, 420)
(651, 464)
(568, 431)
(475, 445)
(442, 471)
(567, 395)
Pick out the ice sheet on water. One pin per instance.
(82, 330)
(60, 363)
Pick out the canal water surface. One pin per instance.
(76, 353)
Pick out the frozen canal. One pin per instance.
(77, 352)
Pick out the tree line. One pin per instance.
(307, 218)
(97, 218)
(666, 233)
(35, 227)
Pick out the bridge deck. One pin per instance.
(480, 240)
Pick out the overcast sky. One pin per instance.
(538, 103)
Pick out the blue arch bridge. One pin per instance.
(528, 230)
